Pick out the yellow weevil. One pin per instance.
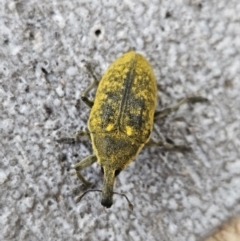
(121, 119)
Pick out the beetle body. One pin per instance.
(121, 119)
(122, 116)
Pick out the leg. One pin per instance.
(79, 134)
(94, 84)
(86, 162)
(168, 146)
(163, 113)
(76, 139)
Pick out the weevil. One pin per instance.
(121, 119)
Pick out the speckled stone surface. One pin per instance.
(193, 47)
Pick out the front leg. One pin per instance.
(86, 162)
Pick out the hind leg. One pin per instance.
(93, 85)
(164, 113)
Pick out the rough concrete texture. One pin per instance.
(193, 47)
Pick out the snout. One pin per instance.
(107, 190)
(107, 203)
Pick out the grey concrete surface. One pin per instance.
(193, 47)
